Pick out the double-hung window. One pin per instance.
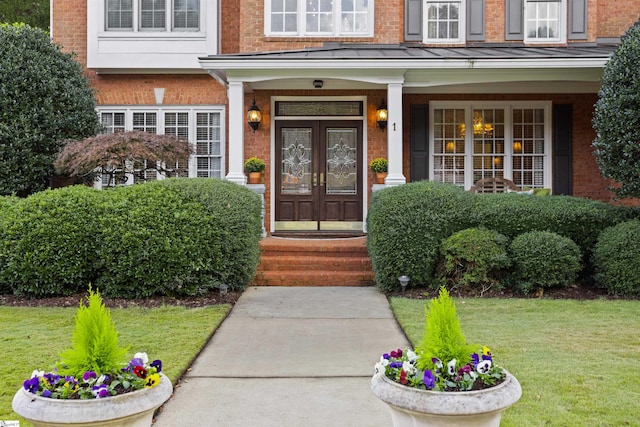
(485, 140)
(153, 15)
(444, 21)
(319, 18)
(544, 21)
(203, 127)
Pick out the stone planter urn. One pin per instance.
(133, 409)
(425, 408)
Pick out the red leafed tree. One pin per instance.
(120, 155)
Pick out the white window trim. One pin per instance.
(160, 125)
(562, 25)
(508, 106)
(462, 24)
(168, 25)
(301, 19)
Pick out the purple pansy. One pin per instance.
(429, 379)
(47, 393)
(157, 364)
(89, 375)
(100, 390)
(32, 384)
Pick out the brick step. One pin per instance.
(314, 278)
(314, 262)
(274, 262)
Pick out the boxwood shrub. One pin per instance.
(474, 258)
(543, 259)
(616, 258)
(406, 224)
(171, 237)
(50, 242)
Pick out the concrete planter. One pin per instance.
(128, 410)
(424, 408)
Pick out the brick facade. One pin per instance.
(242, 30)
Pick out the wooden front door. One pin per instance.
(318, 176)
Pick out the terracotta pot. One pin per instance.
(254, 177)
(380, 176)
(425, 408)
(133, 409)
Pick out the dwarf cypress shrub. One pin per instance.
(616, 258)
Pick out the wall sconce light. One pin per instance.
(449, 147)
(381, 115)
(254, 116)
(318, 84)
(517, 147)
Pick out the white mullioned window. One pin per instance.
(152, 15)
(202, 126)
(545, 21)
(319, 18)
(471, 141)
(444, 21)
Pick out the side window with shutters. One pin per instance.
(444, 21)
(545, 20)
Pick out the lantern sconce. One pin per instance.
(254, 116)
(381, 115)
(517, 147)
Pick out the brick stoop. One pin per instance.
(314, 262)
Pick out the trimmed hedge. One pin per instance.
(616, 258)
(171, 237)
(542, 259)
(49, 242)
(407, 223)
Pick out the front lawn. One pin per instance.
(31, 338)
(577, 361)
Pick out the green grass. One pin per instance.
(32, 338)
(577, 361)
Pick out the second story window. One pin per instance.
(543, 21)
(153, 15)
(319, 17)
(445, 21)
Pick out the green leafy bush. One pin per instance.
(406, 225)
(45, 99)
(171, 237)
(181, 236)
(616, 258)
(50, 242)
(94, 343)
(543, 259)
(474, 259)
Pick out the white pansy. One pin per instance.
(451, 367)
(484, 366)
(380, 368)
(412, 356)
(142, 356)
(408, 368)
(101, 379)
(383, 361)
(37, 373)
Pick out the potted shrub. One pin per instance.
(379, 166)
(254, 167)
(445, 381)
(91, 386)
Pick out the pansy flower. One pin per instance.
(89, 375)
(429, 379)
(451, 367)
(157, 364)
(152, 381)
(100, 390)
(140, 371)
(32, 384)
(484, 366)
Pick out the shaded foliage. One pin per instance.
(617, 117)
(31, 12)
(125, 153)
(45, 99)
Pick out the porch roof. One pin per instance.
(417, 66)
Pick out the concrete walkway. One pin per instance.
(290, 357)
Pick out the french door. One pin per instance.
(318, 182)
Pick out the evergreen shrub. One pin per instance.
(474, 259)
(616, 258)
(543, 259)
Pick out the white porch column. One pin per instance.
(235, 93)
(394, 135)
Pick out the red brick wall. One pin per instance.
(615, 17)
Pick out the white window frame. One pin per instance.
(508, 107)
(169, 19)
(160, 129)
(301, 22)
(462, 23)
(562, 22)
